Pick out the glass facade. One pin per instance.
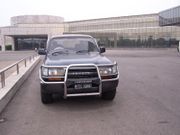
(170, 17)
(128, 31)
(30, 43)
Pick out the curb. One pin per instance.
(15, 87)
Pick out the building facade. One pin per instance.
(29, 32)
(149, 30)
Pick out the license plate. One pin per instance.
(82, 86)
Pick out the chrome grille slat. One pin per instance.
(84, 72)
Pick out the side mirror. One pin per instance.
(42, 51)
(102, 49)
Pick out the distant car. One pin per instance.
(41, 51)
(74, 66)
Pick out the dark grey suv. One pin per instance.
(74, 66)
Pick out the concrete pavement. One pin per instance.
(147, 102)
(14, 81)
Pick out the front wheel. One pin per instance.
(109, 95)
(46, 98)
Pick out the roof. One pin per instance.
(71, 35)
(109, 18)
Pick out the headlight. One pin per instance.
(53, 71)
(108, 70)
(44, 71)
(56, 71)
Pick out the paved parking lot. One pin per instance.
(10, 57)
(147, 102)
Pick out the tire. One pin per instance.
(109, 95)
(46, 98)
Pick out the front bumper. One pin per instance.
(62, 87)
(59, 88)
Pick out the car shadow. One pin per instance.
(80, 103)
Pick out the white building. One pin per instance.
(149, 30)
(29, 27)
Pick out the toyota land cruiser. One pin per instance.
(75, 66)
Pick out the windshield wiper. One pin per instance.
(59, 52)
(82, 51)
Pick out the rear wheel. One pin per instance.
(109, 95)
(46, 98)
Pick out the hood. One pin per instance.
(81, 58)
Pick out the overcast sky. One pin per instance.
(81, 9)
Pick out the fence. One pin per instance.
(17, 65)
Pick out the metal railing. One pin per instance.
(17, 65)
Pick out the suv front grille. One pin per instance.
(82, 72)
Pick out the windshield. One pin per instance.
(72, 45)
